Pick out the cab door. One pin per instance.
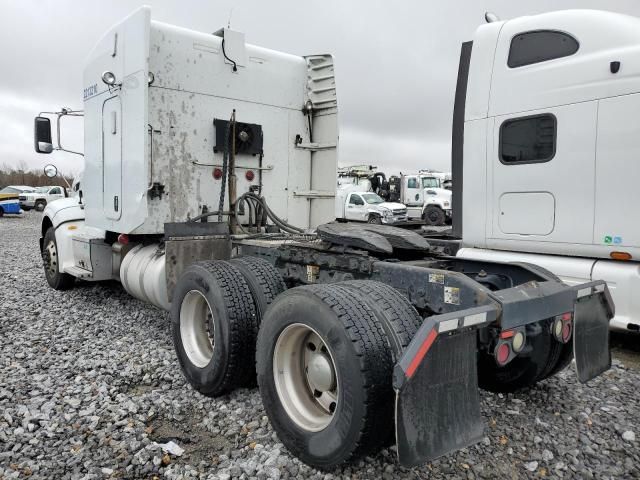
(355, 208)
(112, 158)
(55, 193)
(413, 194)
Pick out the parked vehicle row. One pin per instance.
(40, 197)
(422, 195)
(14, 199)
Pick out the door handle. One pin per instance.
(115, 203)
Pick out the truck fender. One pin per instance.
(61, 211)
(65, 211)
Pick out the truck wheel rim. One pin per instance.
(197, 328)
(51, 259)
(305, 377)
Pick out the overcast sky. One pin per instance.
(396, 63)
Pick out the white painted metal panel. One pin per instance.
(112, 158)
(192, 85)
(480, 71)
(128, 61)
(475, 197)
(623, 280)
(568, 177)
(617, 185)
(581, 77)
(527, 213)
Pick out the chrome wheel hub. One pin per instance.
(305, 377)
(50, 257)
(197, 328)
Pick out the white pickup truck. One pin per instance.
(368, 207)
(39, 198)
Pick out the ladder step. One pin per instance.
(314, 194)
(314, 147)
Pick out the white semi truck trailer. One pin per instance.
(546, 143)
(210, 169)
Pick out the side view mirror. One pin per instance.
(42, 135)
(50, 170)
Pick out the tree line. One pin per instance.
(22, 175)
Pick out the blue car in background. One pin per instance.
(10, 206)
(9, 201)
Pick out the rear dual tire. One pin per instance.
(324, 353)
(360, 378)
(338, 404)
(215, 315)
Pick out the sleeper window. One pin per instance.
(539, 46)
(528, 139)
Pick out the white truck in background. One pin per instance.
(546, 142)
(357, 202)
(41, 197)
(423, 194)
(358, 206)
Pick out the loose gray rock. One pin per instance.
(90, 386)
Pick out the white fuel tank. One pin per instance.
(142, 274)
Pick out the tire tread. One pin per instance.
(243, 325)
(371, 346)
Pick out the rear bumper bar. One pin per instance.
(436, 380)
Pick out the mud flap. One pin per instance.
(436, 383)
(593, 310)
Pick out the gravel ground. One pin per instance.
(89, 385)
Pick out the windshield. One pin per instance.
(42, 189)
(430, 182)
(372, 198)
(9, 190)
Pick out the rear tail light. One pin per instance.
(510, 343)
(502, 353)
(562, 327)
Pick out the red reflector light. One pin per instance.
(249, 175)
(422, 351)
(123, 238)
(502, 353)
(217, 173)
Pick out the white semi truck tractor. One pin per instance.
(546, 142)
(210, 171)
